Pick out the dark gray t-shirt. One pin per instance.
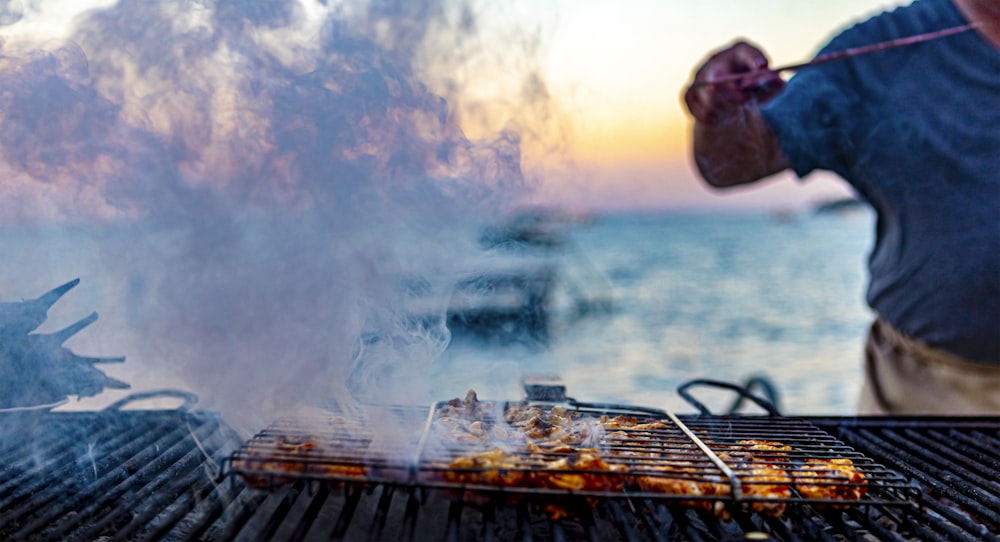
(916, 131)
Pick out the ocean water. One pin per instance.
(717, 296)
(692, 295)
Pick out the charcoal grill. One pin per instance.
(155, 475)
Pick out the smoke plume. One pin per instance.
(257, 188)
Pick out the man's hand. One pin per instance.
(732, 142)
(716, 96)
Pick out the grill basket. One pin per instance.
(718, 462)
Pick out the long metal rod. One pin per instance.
(418, 453)
(734, 482)
(847, 53)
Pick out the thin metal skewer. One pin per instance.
(847, 53)
(734, 483)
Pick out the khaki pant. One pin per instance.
(905, 376)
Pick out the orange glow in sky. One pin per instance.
(617, 69)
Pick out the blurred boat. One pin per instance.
(524, 291)
(836, 206)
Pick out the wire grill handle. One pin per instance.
(189, 398)
(767, 389)
(682, 390)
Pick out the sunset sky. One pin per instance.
(619, 68)
(615, 71)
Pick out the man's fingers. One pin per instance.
(741, 57)
(746, 58)
(763, 89)
(715, 94)
(713, 103)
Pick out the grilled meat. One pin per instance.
(571, 469)
(831, 479)
(561, 449)
(487, 445)
(295, 456)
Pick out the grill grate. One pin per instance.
(116, 474)
(332, 447)
(954, 461)
(652, 457)
(388, 512)
(156, 479)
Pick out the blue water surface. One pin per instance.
(700, 295)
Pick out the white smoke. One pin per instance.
(250, 186)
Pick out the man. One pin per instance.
(915, 130)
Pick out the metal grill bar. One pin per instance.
(489, 522)
(410, 516)
(700, 525)
(454, 519)
(425, 435)
(950, 459)
(378, 523)
(328, 501)
(111, 475)
(63, 458)
(347, 513)
(185, 472)
(734, 482)
(621, 520)
(163, 512)
(73, 488)
(968, 460)
(302, 514)
(151, 479)
(558, 533)
(657, 523)
(873, 520)
(915, 466)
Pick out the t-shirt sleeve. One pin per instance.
(811, 120)
(823, 112)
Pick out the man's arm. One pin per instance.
(733, 144)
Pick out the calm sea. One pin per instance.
(724, 297)
(721, 296)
